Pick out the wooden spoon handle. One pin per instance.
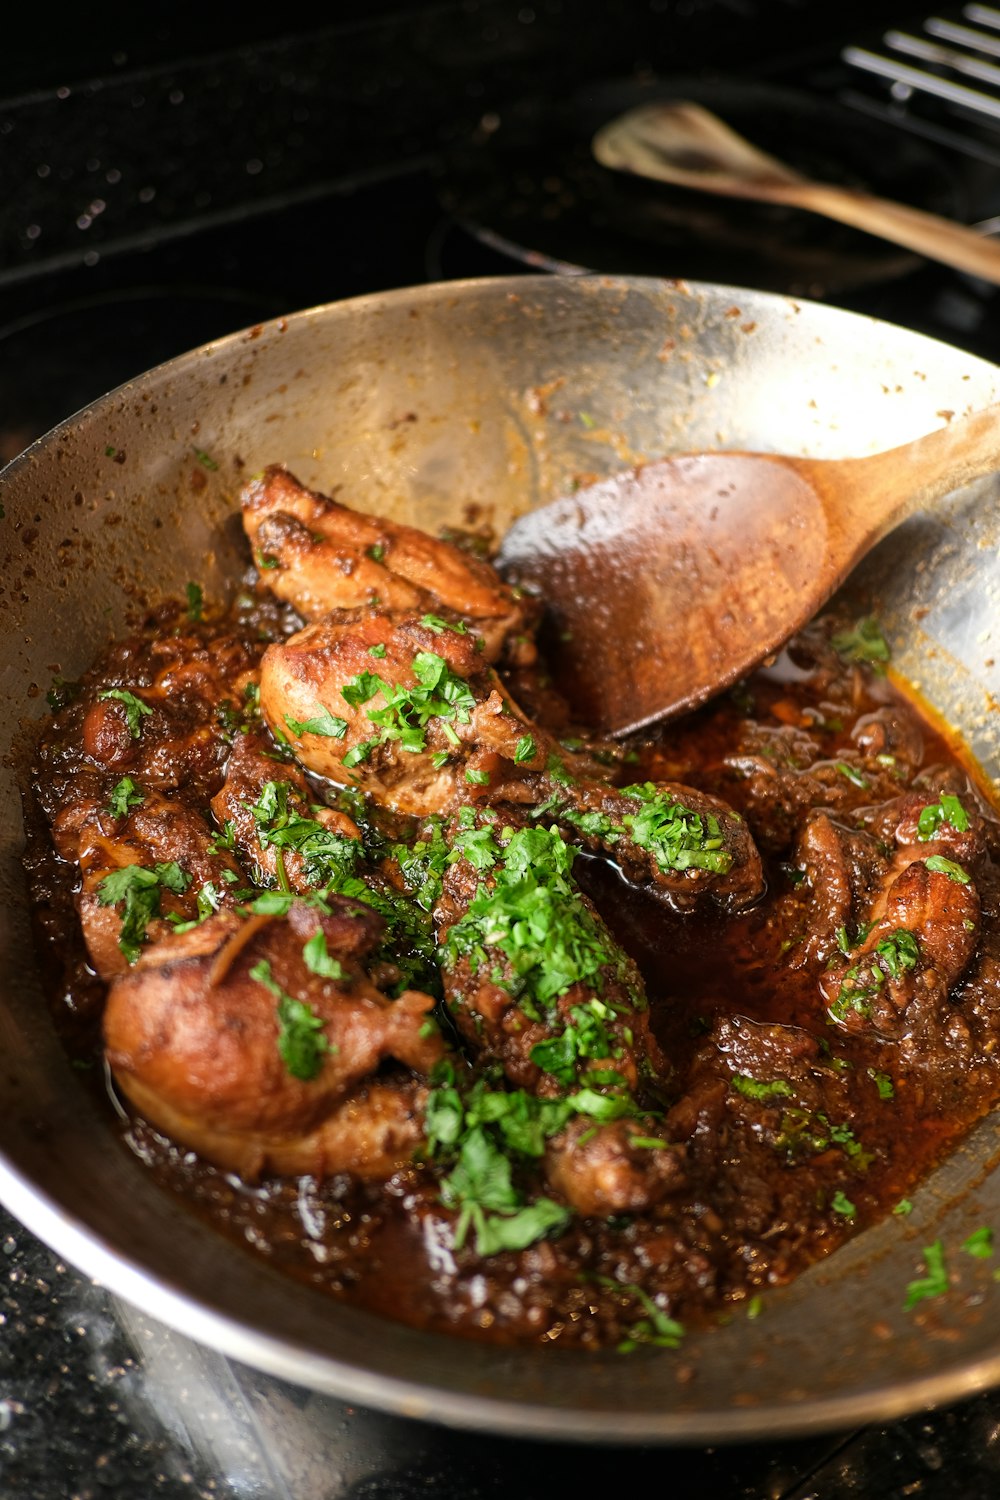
(927, 234)
(872, 495)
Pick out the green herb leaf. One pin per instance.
(205, 459)
(195, 600)
(318, 960)
(524, 749)
(935, 1283)
(942, 866)
(678, 838)
(751, 1088)
(301, 1042)
(437, 625)
(865, 642)
(842, 1205)
(477, 778)
(884, 1084)
(135, 709)
(325, 723)
(980, 1243)
(947, 810)
(124, 796)
(139, 889)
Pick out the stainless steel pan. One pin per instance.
(420, 404)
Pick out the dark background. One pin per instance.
(165, 179)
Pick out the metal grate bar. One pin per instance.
(945, 57)
(921, 82)
(965, 36)
(982, 15)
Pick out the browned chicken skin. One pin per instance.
(250, 769)
(415, 716)
(243, 1041)
(922, 926)
(158, 832)
(591, 1033)
(320, 556)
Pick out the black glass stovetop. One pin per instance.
(168, 202)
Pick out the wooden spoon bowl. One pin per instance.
(669, 582)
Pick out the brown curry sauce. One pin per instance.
(839, 1128)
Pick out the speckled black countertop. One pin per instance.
(97, 1400)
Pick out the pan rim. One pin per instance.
(192, 1316)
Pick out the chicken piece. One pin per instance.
(842, 867)
(614, 1169)
(265, 808)
(536, 983)
(320, 556)
(532, 976)
(152, 861)
(924, 917)
(158, 715)
(418, 718)
(684, 843)
(370, 1135)
(245, 1037)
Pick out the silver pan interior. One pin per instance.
(419, 403)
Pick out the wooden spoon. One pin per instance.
(669, 582)
(682, 143)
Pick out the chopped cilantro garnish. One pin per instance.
(376, 552)
(524, 749)
(587, 1037)
(903, 1207)
(61, 693)
(865, 642)
(139, 888)
(842, 1205)
(941, 866)
(377, 650)
(899, 951)
(329, 857)
(205, 459)
(947, 810)
(440, 694)
(529, 910)
(980, 1243)
(125, 795)
(324, 723)
(318, 960)
(437, 625)
(935, 1283)
(884, 1084)
(751, 1088)
(894, 954)
(557, 770)
(678, 838)
(483, 1131)
(656, 1328)
(135, 709)
(358, 753)
(301, 1042)
(208, 900)
(195, 600)
(476, 777)
(852, 775)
